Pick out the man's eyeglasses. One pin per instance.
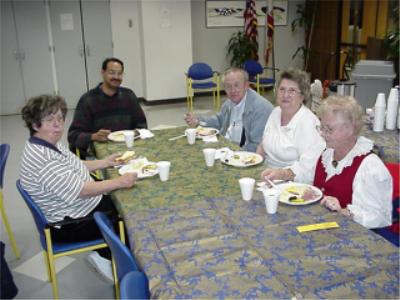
(115, 73)
(289, 91)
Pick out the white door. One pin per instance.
(69, 51)
(25, 56)
(33, 37)
(97, 32)
(12, 92)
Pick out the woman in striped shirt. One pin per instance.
(58, 181)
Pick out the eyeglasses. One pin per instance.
(324, 129)
(236, 87)
(53, 119)
(289, 91)
(115, 73)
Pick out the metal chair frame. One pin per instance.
(255, 71)
(124, 260)
(52, 251)
(4, 152)
(196, 77)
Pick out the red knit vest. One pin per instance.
(341, 185)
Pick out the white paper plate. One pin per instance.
(293, 189)
(118, 136)
(202, 132)
(242, 159)
(141, 166)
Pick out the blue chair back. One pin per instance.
(4, 151)
(38, 216)
(134, 285)
(252, 67)
(125, 262)
(200, 71)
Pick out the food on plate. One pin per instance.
(127, 156)
(310, 194)
(118, 134)
(203, 131)
(150, 168)
(250, 159)
(300, 194)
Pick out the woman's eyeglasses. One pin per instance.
(289, 91)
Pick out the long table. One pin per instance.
(195, 238)
(386, 143)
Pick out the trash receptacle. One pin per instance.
(372, 77)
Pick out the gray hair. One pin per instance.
(243, 73)
(346, 107)
(301, 78)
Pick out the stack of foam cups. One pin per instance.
(392, 108)
(379, 113)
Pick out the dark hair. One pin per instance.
(301, 78)
(40, 107)
(107, 60)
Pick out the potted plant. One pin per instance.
(306, 14)
(241, 48)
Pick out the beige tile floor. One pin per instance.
(76, 280)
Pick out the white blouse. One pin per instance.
(296, 145)
(372, 185)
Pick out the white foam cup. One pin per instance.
(163, 169)
(247, 187)
(129, 136)
(271, 197)
(191, 135)
(209, 156)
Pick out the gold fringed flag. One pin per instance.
(250, 22)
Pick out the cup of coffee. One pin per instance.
(191, 135)
(247, 187)
(209, 156)
(129, 136)
(163, 169)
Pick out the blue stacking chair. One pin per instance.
(256, 72)
(200, 77)
(4, 151)
(124, 259)
(52, 250)
(134, 285)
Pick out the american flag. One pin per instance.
(250, 22)
(269, 20)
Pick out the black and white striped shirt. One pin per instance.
(54, 180)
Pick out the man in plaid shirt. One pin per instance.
(106, 108)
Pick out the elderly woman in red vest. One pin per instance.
(354, 180)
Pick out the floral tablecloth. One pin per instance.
(195, 238)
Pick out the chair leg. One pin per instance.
(8, 227)
(51, 261)
(46, 261)
(122, 237)
(116, 282)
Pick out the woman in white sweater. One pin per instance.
(291, 142)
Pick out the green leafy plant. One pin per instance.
(391, 39)
(241, 48)
(306, 14)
